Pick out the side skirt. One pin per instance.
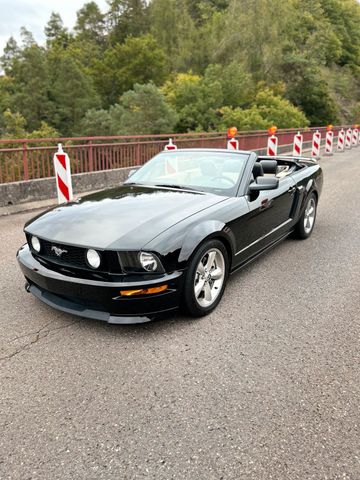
(261, 252)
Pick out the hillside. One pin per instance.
(184, 65)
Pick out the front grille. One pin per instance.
(66, 255)
(75, 257)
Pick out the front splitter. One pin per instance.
(67, 306)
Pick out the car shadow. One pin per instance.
(177, 320)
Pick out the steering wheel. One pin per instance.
(226, 179)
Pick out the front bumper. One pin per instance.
(100, 300)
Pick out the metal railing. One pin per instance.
(28, 159)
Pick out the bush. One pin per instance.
(269, 109)
(140, 111)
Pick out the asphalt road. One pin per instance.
(266, 387)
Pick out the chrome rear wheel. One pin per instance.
(306, 223)
(309, 217)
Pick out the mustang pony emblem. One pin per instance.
(58, 251)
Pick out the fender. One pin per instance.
(203, 231)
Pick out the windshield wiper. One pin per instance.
(178, 187)
(169, 185)
(165, 185)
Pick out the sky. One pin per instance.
(34, 14)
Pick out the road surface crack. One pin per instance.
(39, 335)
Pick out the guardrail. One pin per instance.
(28, 159)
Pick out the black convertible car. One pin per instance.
(170, 236)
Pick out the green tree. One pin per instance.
(14, 125)
(237, 84)
(252, 33)
(5, 92)
(175, 32)
(279, 111)
(244, 119)
(355, 113)
(344, 17)
(202, 10)
(11, 54)
(145, 111)
(126, 18)
(268, 109)
(137, 60)
(90, 24)
(197, 101)
(56, 33)
(142, 110)
(73, 93)
(96, 122)
(44, 131)
(27, 38)
(30, 86)
(307, 89)
(212, 59)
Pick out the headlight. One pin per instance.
(93, 258)
(35, 242)
(148, 261)
(140, 262)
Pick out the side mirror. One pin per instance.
(132, 171)
(264, 183)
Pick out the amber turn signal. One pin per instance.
(143, 291)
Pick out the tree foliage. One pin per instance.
(90, 24)
(268, 109)
(137, 60)
(142, 109)
(188, 65)
(126, 18)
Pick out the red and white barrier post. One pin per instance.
(348, 139)
(273, 142)
(170, 145)
(329, 140)
(355, 136)
(232, 143)
(298, 143)
(341, 141)
(316, 145)
(63, 175)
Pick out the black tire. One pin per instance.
(302, 231)
(193, 305)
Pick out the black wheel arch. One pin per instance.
(204, 231)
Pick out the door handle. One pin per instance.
(292, 190)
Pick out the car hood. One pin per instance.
(124, 218)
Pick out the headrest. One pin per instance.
(231, 166)
(269, 166)
(257, 170)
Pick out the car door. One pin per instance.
(268, 218)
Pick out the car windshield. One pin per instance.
(215, 172)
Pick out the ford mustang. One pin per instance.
(169, 237)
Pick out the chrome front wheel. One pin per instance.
(206, 277)
(209, 278)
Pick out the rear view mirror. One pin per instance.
(264, 183)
